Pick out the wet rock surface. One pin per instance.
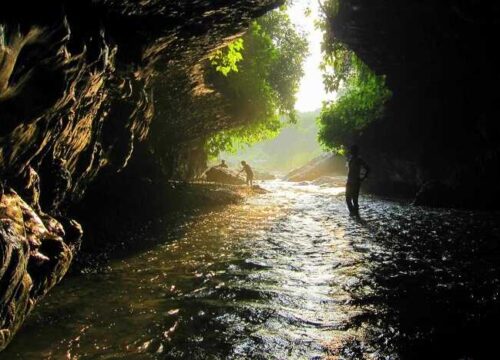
(222, 175)
(33, 258)
(287, 274)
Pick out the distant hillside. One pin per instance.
(293, 147)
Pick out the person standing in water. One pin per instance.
(248, 171)
(354, 179)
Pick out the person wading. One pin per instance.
(354, 179)
(248, 171)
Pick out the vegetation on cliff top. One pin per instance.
(361, 93)
(361, 100)
(259, 75)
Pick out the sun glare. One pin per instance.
(312, 92)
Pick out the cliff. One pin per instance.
(77, 80)
(440, 132)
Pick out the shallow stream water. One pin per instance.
(286, 275)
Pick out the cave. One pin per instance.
(101, 133)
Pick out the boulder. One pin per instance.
(224, 176)
(323, 165)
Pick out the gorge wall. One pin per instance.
(91, 94)
(441, 129)
(77, 86)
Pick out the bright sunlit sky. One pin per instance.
(311, 93)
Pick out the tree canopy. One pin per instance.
(362, 95)
(259, 76)
(293, 147)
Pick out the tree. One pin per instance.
(259, 77)
(362, 93)
(361, 102)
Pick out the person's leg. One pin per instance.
(348, 198)
(355, 197)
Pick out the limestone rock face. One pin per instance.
(441, 123)
(77, 78)
(34, 257)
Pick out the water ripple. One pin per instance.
(287, 275)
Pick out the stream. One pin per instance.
(286, 275)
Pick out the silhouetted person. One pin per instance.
(248, 171)
(223, 164)
(354, 179)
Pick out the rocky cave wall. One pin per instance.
(440, 132)
(77, 80)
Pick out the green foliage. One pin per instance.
(286, 70)
(338, 66)
(295, 145)
(234, 139)
(361, 101)
(339, 63)
(226, 60)
(361, 93)
(261, 88)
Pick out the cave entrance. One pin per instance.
(276, 150)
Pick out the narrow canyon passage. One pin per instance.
(285, 275)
